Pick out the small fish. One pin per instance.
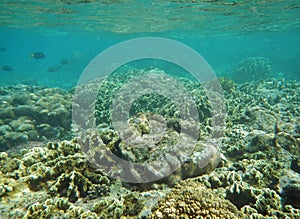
(37, 55)
(6, 68)
(64, 62)
(2, 49)
(54, 68)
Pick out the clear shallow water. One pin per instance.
(222, 53)
(224, 32)
(190, 17)
(50, 43)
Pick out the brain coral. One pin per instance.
(190, 199)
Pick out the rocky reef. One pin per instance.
(253, 173)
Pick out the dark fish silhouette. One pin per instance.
(64, 62)
(6, 68)
(54, 68)
(2, 49)
(38, 55)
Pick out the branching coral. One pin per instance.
(252, 69)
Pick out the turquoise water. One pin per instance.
(223, 32)
(111, 151)
(223, 53)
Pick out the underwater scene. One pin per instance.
(149, 109)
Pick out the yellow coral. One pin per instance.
(190, 199)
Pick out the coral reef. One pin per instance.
(256, 168)
(57, 180)
(253, 69)
(261, 150)
(59, 170)
(203, 156)
(191, 199)
(290, 188)
(154, 133)
(149, 102)
(33, 113)
(227, 84)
